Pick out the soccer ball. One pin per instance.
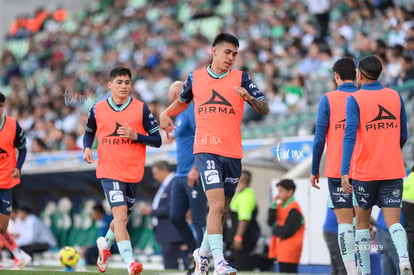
(68, 256)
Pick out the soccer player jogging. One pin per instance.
(187, 192)
(124, 126)
(330, 126)
(376, 130)
(12, 137)
(219, 94)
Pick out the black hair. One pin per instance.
(119, 71)
(287, 184)
(162, 165)
(99, 208)
(226, 37)
(2, 98)
(370, 67)
(345, 68)
(248, 175)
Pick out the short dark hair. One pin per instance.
(370, 67)
(345, 68)
(99, 208)
(2, 98)
(119, 71)
(226, 37)
(287, 184)
(248, 175)
(162, 165)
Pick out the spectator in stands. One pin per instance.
(69, 141)
(166, 234)
(31, 234)
(288, 228)
(241, 230)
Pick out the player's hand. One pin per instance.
(166, 123)
(88, 156)
(238, 245)
(314, 180)
(193, 177)
(16, 173)
(127, 132)
(243, 93)
(346, 186)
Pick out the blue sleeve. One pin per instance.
(322, 126)
(186, 94)
(20, 144)
(151, 127)
(90, 129)
(352, 124)
(248, 84)
(403, 123)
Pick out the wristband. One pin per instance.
(238, 239)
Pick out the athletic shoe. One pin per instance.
(135, 268)
(24, 260)
(224, 268)
(405, 268)
(201, 263)
(102, 261)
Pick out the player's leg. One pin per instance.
(179, 207)
(343, 208)
(198, 207)
(390, 196)
(364, 198)
(21, 258)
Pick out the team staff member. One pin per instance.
(376, 130)
(219, 94)
(12, 137)
(124, 126)
(187, 192)
(330, 125)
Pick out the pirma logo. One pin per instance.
(211, 176)
(216, 99)
(3, 154)
(116, 196)
(377, 123)
(115, 139)
(340, 124)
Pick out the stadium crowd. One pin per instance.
(288, 46)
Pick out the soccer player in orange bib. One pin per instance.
(330, 125)
(219, 94)
(376, 130)
(124, 127)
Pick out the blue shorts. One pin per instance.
(6, 198)
(218, 172)
(119, 193)
(383, 193)
(337, 197)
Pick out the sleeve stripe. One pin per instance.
(153, 130)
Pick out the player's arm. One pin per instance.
(177, 106)
(321, 129)
(403, 123)
(20, 144)
(89, 136)
(250, 93)
(151, 127)
(293, 223)
(352, 124)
